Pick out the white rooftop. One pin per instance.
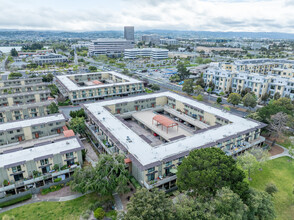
(39, 151)
(31, 122)
(71, 86)
(147, 154)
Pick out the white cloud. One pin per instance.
(198, 15)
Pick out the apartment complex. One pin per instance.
(169, 41)
(21, 82)
(26, 111)
(129, 33)
(29, 129)
(50, 58)
(109, 46)
(36, 166)
(13, 89)
(156, 131)
(273, 80)
(97, 86)
(151, 38)
(154, 53)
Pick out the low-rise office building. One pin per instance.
(156, 131)
(36, 166)
(23, 130)
(97, 86)
(26, 111)
(51, 58)
(107, 46)
(154, 53)
(24, 98)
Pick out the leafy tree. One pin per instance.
(219, 100)
(99, 213)
(200, 82)
(278, 123)
(199, 97)
(182, 71)
(206, 170)
(78, 125)
(188, 86)
(198, 89)
(48, 78)
(211, 85)
(53, 108)
(271, 188)
(260, 205)
(155, 87)
(92, 68)
(277, 95)
(234, 99)
(125, 71)
(248, 163)
(78, 113)
(146, 205)
(107, 177)
(249, 100)
(264, 97)
(14, 75)
(13, 52)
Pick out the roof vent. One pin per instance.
(67, 142)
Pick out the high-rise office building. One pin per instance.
(129, 33)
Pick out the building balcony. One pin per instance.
(159, 181)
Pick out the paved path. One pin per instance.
(35, 199)
(284, 154)
(118, 203)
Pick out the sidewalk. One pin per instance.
(284, 154)
(35, 199)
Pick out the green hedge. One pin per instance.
(14, 201)
(135, 183)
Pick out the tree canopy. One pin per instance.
(78, 125)
(188, 86)
(92, 68)
(108, 176)
(13, 52)
(48, 78)
(249, 100)
(183, 73)
(146, 205)
(53, 108)
(234, 98)
(206, 170)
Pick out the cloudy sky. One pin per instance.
(197, 15)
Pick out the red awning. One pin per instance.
(68, 133)
(128, 160)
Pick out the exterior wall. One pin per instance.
(209, 118)
(161, 101)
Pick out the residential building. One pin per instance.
(36, 166)
(13, 89)
(129, 33)
(51, 58)
(23, 130)
(107, 46)
(26, 111)
(97, 86)
(154, 53)
(24, 98)
(20, 82)
(156, 131)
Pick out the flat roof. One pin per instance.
(147, 155)
(26, 106)
(10, 159)
(31, 122)
(72, 86)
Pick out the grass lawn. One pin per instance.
(54, 210)
(280, 172)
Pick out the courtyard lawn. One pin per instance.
(280, 172)
(54, 210)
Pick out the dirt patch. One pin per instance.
(275, 150)
(65, 191)
(126, 197)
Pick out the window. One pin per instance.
(69, 155)
(44, 162)
(151, 177)
(150, 170)
(16, 169)
(168, 163)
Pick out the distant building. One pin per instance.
(129, 33)
(51, 58)
(81, 44)
(38, 52)
(169, 41)
(151, 38)
(154, 53)
(107, 46)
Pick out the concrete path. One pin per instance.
(118, 203)
(35, 199)
(284, 154)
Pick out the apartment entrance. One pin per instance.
(18, 177)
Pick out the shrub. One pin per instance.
(99, 213)
(199, 98)
(135, 183)
(56, 167)
(14, 201)
(111, 214)
(57, 180)
(5, 183)
(271, 188)
(95, 205)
